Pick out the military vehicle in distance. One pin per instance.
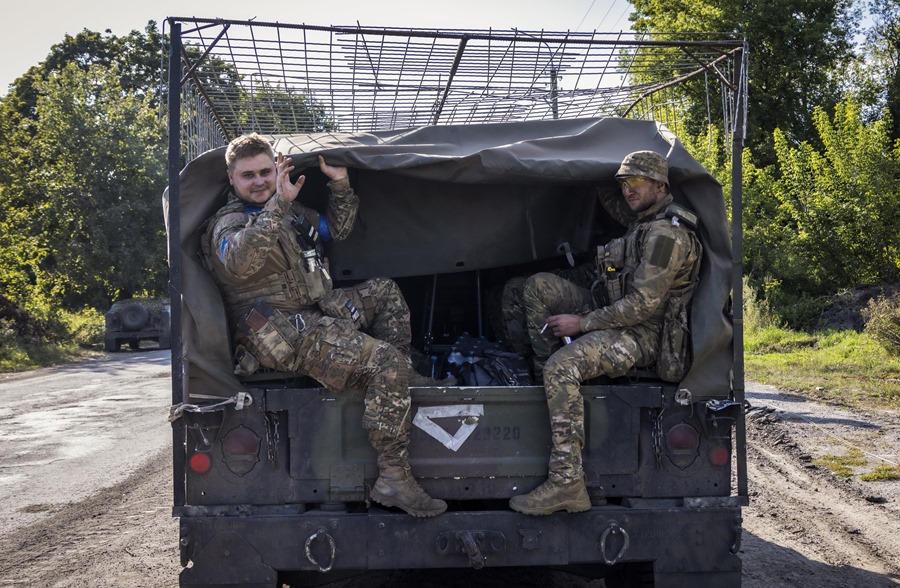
(482, 168)
(133, 320)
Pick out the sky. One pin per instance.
(29, 42)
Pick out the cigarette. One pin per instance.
(544, 328)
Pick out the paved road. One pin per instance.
(66, 431)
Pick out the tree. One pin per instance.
(136, 57)
(824, 219)
(82, 172)
(94, 189)
(882, 59)
(797, 49)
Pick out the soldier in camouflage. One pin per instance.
(264, 249)
(615, 325)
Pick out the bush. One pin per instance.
(23, 325)
(882, 317)
(86, 328)
(757, 315)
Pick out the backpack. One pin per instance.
(480, 362)
(675, 355)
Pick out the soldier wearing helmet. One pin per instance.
(614, 325)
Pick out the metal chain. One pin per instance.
(657, 434)
(272, 437)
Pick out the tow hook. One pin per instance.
(473, 544)
(312, 559)
(476, 558)
(613, 529)
(738, 534)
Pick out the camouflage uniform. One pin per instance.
(270, 266)
(660, 256)
(254, 255)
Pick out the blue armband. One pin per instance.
(222, 249)
(324, 232)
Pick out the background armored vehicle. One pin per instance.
(479, 171)
(138, 319)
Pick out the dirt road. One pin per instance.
(804, 528)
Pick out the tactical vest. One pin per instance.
(616, 263)
(287, 281)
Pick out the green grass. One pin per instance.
(882, 473)
(839, 367)
(842, 367)
(841, 464)
(19, 357)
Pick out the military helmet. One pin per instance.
(648, 164)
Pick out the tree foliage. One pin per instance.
(259, 111)
(827, 218)
(99, 212)
(876, 79)
(135, 56)
(82, 173)
(797, 49)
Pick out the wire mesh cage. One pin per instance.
(276, 78)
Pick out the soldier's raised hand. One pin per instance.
(283, 184)
(333, 172)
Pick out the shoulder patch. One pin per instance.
(662, 251)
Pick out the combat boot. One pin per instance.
(550, 497)
(396, 487)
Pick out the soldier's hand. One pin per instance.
(283, 185)
(333, 172)
(565, 325)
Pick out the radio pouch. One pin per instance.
(268, 335)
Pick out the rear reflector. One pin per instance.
(718, 456)
(200, 462)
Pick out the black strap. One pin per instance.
(307, 235)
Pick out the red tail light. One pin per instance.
(719, 456)
(200, 462)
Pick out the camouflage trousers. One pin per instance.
(513, 325)
(610, 352)
(363, 346)
(381, 307)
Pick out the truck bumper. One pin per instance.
(687, 546)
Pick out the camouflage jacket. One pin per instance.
(253, 252)
(659, 259)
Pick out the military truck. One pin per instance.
(133, 320)
(495, 173)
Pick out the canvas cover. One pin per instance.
(443, 199)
